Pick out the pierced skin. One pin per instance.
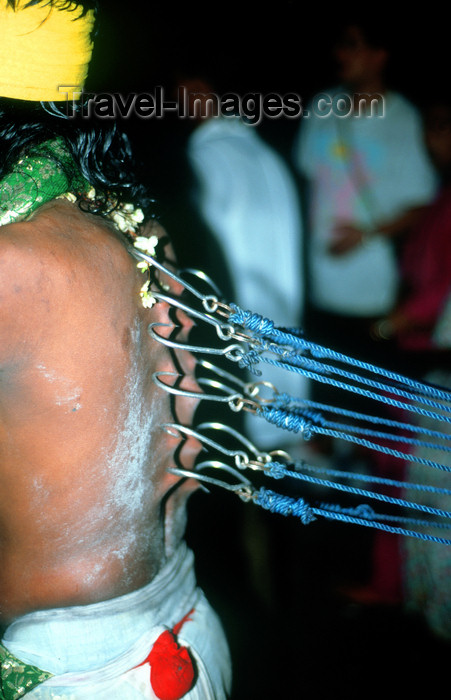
(85, 510)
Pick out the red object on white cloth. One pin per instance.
(172, 671)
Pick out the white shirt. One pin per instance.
(364, 170)
(248, 198)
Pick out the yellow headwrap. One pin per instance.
(44, 51)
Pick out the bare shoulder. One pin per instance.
(51, 263)
(58, 230)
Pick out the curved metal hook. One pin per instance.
(214, 425)
(233, 352)
(140, 255)
(240, 457)
(225, 330)
(211, 302)
(236, 401)
(244, 488)
(216, 464)
(250, 389)
(200, 274)
(206, 364)
(262, 459)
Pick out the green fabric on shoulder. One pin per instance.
(44, 173)
(17, 678)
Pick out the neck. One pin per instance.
(371, 86)
(364, 93)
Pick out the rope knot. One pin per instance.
(288, 421)
(277, 471)
(251, 321)
(249, 360)
(284, 505)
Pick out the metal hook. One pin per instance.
(214, 425)
(249, 389)
(213, 305)
(174, 301)
(140, 255)
(240, 457)
(252, 389)
(200, 274)
(244, 489)
(232, 352)
(262, 459)
(210, 302)
(249, 401)
(224, 331)
(222, 373)
(215, 384)
(192, 394)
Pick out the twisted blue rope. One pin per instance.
(278, 471)
(251, 321)
(387, 436)
(304, 362)
(299, 424)
(402, 392)
(266, 328)
(285, 505)
(368, 513)
(284, 400)
(358, 390)
(393, 483)
(317, 418)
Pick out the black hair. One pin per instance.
(101, 150)
(72, 5)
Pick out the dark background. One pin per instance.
(283, 47)
(274, 582)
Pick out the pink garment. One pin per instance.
(426, 272)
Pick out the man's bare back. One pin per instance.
(83, 457)
(98, 590)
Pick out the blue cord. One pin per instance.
(393, 483)
(284, 400)
(298, 424)
(402, 392)
(368, 513)
(358, 390)
(263, 328)
(318, 418)
(304, 362)
(285, 505)
(278, 471)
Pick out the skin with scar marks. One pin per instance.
(88, 510)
